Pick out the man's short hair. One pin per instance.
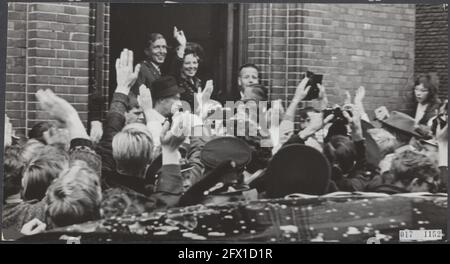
(132, 148)
(37, 131)
(248, 65)
(75, 197)
(41, 171)
(409, 165)
(152, 37)
(341, 151)
(13, 168)
(258, 92)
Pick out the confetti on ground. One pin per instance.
(353, 231)
(289, 228)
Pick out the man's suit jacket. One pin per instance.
(147, 75)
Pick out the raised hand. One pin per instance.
(62, 111)
(322, 96)
(381, 113)
(207, 92)
(96, 131)
(145, 99)
(348, 98)
(55, 106)
(179, 36)
(8, 132)
(360, 94)
(302, 90)
(204, 96)
(354, 120)
(126, 77)
(172, 138)
(57, 136)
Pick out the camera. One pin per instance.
(314, 79)
(338, 114)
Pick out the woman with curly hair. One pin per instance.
(186, 75)
(425, 94)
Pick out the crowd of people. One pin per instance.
(151, 153)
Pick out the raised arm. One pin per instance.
(80, 144)
(169, 183)
(177, 61)
(358, 101)
(300, 94)
(115, 119)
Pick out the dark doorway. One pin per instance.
(206, 24)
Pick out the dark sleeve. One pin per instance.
(82, 149)
(166, 193)
(146, 77)
(168, 186)
(193, 157)
(115, 121)
(430, 112)
(174, 67)
(357, 183)
(140, 80)
(360, 147)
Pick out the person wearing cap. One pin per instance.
(255, 92)
(404, 128)
(165, 95)
(224, 160)
(297, 169)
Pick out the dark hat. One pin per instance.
(402, 123)
(259, 92)
(165, 86)
(297, 168)
(222, 149)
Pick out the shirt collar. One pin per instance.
(156, 67)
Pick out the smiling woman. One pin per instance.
(425, 94)
(187, 74)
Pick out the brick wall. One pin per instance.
(15, 65)
(432, 44)
(48, 47)
(352, 45)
